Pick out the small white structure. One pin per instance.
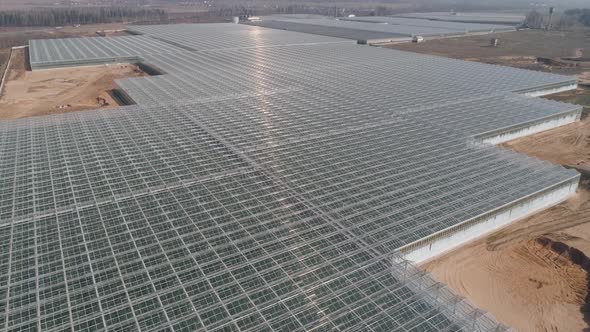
(236, 19)
(417, 39)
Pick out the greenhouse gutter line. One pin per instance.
(313, 207)
(132, 194)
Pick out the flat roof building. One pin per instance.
(377, 29)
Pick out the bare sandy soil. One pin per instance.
(83, 30)
(112, 33)
(17, 36)
(568, 146)
(524, 284)
(32, 93)
(517, 49)
(533, 275)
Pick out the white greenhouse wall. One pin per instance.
(534, 128)
(545, 92)
(437, 244)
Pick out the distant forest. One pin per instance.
(223, 9)
(72, 16)
(581, 15)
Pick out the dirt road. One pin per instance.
(32, 93)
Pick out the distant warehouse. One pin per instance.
(377, 29)
(469, 17)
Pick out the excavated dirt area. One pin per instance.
(533, 275)
(569, 145)
(32, 93)
(523, 283)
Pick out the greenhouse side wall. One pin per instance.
(501, 136)
(441, 242)
(83, 62)
(551, 90)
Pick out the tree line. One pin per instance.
(581, 15)
(73, 16)
(561, 21)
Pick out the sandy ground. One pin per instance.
(32, 93)
(569, 145)
(523, 284)
(86, 29)
(517, 49)
(17, 36)
(112, 33)
(534, 274)
(526, 274)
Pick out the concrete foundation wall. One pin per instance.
(441, 242)
(533, 128)
(549, 91)
(83, 63)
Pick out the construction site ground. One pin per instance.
(32, 93)
(18, 36)
(516, 49)
(534, 274)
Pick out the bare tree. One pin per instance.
(564, 22)
(380, 11)
(580, 15)
(67, 16)
(534, 20)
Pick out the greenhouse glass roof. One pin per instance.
(374, 27)
(474, 17)
(265, 182)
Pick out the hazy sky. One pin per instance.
(507, 4)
